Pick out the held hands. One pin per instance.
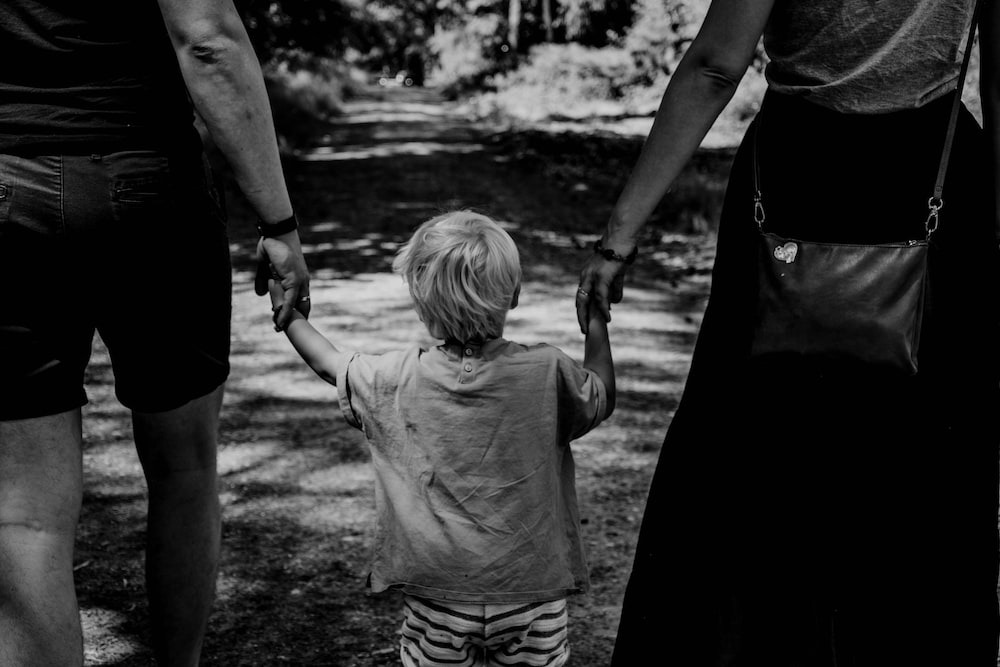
(602, 283)
(277, 294)
(280, 259)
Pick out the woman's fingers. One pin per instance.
(617, 289)
(601, 284)
(583, 303)
(600, 299)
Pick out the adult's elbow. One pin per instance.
(209, 41)
(720, 70)
(721, 77)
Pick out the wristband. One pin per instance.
(612, 256)
(269, 231)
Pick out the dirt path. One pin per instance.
(296, 485)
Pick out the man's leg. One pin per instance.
(177, 449)
(40, 494)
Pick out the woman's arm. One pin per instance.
(699, 90)
(989, 90)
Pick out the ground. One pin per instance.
(295, 479)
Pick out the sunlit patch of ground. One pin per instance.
(105, 646)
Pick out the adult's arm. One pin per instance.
(224, 78)
(699, 90)
(989, 90)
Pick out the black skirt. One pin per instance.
(811, 513)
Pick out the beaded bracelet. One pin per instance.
(612, 256)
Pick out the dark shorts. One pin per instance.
(132, 245)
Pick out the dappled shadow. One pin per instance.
(295, 480)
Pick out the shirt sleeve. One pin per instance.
(367, 383)
(355, 384)
(583, 398)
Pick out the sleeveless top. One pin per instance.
(90, 77)
(866, 56)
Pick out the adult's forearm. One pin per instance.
(224, 79)
(699, 90)
(694, 98)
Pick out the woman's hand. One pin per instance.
(601, 282)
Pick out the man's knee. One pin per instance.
(33, 520)
(30, 545)
(24, 525)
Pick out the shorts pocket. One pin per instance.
(31, 194)
(144, 202)
(140, 179)
(141, 191)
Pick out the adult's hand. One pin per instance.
(284, 256)
(602, 282)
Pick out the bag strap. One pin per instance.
(936, 202)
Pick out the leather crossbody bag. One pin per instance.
(848, 301)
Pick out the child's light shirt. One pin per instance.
(474, 478)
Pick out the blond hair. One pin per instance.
(463, 271)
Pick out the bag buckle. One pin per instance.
(934, 205)
(758, 210)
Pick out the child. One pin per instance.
(477, 520)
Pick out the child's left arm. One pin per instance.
(597, 354)
(321, 355)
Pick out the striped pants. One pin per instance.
(483, 635)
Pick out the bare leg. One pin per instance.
(178, 454)
(41, 486)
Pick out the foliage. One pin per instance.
(318, 27)
(596, 22)
(466, 53)
(461, 43)
(405, 30)
(565, 80)
(477, 39)
(587, 22)
(661, 34)
(305, 91)
(605, 58)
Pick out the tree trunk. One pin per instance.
(547, 19)
(513, 23)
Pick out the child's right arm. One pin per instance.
(597, 354)
(321, 355)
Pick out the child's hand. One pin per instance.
(277, 294)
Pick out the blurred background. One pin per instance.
(511, 61)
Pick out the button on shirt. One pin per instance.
(474, 477)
